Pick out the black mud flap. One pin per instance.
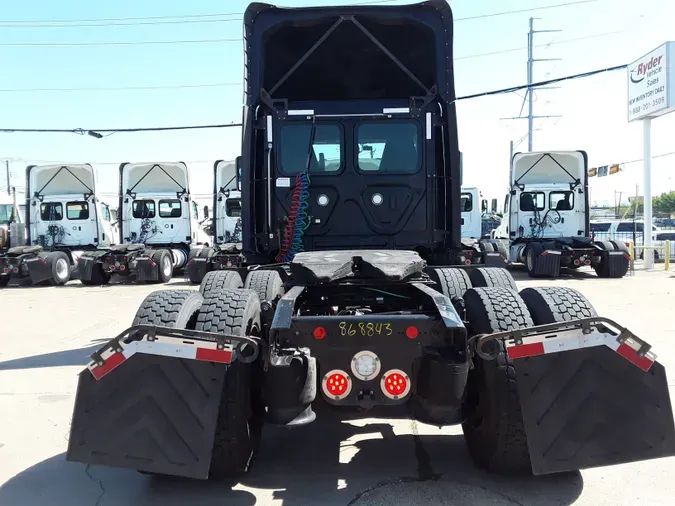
(591, 407)
(491, 259)
(197, 269)
(548, 264)
(85, 267)
(154, 414)
(146, 270)
(39, 269)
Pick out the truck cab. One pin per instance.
(65, 217)
(546, 217)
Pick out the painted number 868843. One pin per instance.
(369, 329)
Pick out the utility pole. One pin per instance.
(8, 178)
(529, 96)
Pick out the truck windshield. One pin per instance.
(391, 146)
(5, 213)
(326, 153)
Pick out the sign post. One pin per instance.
(651, 93)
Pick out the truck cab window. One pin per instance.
(233, 208)
(326, 153)
(143, 208)
(77, 210)
(561, 201)
(170, 208)
(532, 201)
(105, 212)
(388, 147)
(467, 202)
(52, 211)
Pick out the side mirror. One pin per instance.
(483, 206)
(238, 174)
(494, 205)
(206, 212)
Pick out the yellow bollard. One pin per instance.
(667, 255)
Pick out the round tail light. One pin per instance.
(577, 262)
(587, 262)
(411, 332)
(395, 384)
(319, 333)
(336, 384)
(467, 262)
(122, 267)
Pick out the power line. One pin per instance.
(212, 18)
(97, 132)
(118, 43)
(121, 88)
(215, 85)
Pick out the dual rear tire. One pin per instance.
(224, 306)
(494, 429)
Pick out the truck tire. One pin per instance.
(235, 311)
(267, 284)
(532, 254)
(4, 280)
(98, 277)
(164, 261)
(552, 304)
(214, 281)
(500, 248)
(492, 276)
(60, 265)
(487, 246)
(452, 282)
(494, 430)
(607, 270)
(170, 308)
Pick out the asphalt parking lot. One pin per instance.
(47, 334)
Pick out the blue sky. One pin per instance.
(593, 113)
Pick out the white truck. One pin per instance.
(64, 219)
(159, 225)
(546, 218)
(227, 226)
(472, 227)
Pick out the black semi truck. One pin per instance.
(350, 210)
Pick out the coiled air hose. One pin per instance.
(298, 220)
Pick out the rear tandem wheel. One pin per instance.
(494, 430)
(240, 416)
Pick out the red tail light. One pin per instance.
(467, 262)
(319, 333)
(122, 267)
(395, 384)
(411, 332)
(336, 384)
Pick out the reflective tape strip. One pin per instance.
(628, 349)
(165, 347)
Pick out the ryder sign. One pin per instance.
(651, 83)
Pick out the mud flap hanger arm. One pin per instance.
(150, 333)
(585, 325)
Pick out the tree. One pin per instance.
(664, 203)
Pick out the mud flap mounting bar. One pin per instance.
(171, 342)
(572, 335)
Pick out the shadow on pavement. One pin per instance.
(77, 356)
(328, 462)
(519, 273)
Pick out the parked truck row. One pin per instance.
(71, 231)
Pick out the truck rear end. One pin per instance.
(366, 165)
